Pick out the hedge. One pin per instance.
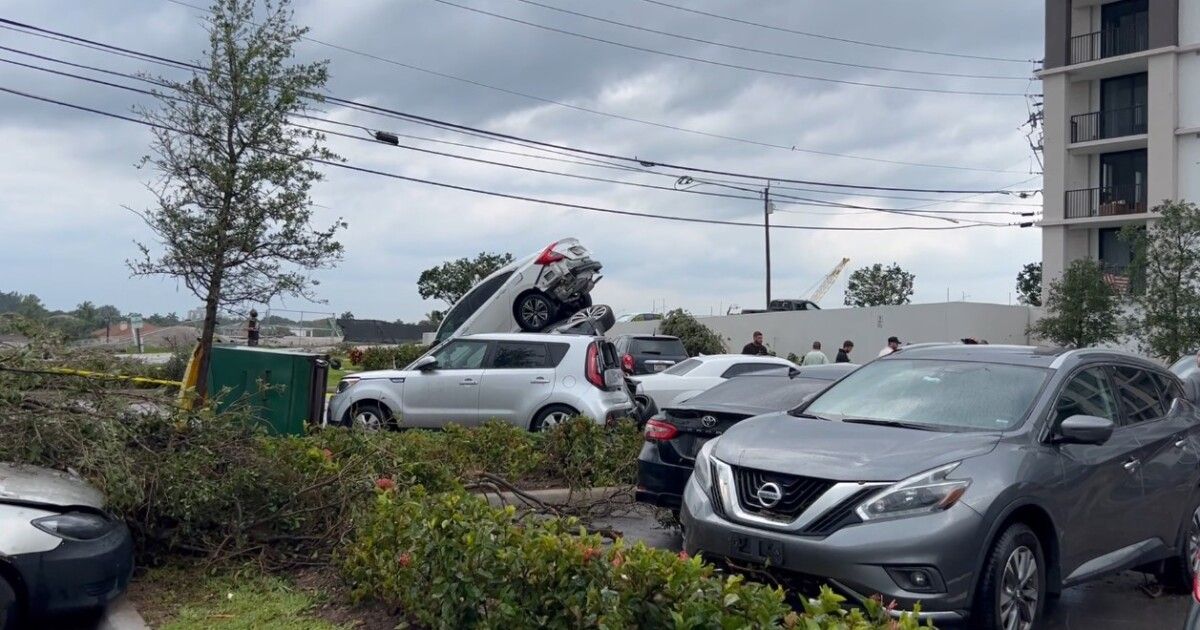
(450, 560)
(389, 357)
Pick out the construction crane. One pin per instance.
(827, 282)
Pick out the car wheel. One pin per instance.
(551, 417)
(534, 311)
(1012, 589)
(8, 605)
(1179, 572)
(369, 416)
(646, 408)
(600, 314)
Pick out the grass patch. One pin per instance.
(180, 598)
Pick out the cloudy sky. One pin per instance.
(66, 177)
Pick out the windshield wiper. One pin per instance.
(892, 423)
(805, 414)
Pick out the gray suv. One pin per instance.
(528, 379)
(974, 480)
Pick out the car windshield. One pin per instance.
(466, 307)
(665, 347)
(683, 367)
(943, 395)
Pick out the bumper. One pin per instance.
(854, 559)
(660, 483)
(78, 575)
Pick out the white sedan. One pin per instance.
(697, 374)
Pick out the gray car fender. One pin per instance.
(20, 536)
(997, 517)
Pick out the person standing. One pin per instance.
(843, 353)
(893, 344)
(252, 329)
(756, 347)
(815, 356)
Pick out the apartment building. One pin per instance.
(1122, 123)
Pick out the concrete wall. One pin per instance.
(868, 328)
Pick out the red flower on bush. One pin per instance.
(683, 555)
(404, 559)
(328, 454)
(618, 560)
(385, 483)
(589, 553)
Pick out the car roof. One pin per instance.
(652, 337)
(1034, 356)
(529, 336)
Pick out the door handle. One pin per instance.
(467, 381)
(1132, 465)
(541, 380)
(1182, 443)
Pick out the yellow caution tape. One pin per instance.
(96, 375)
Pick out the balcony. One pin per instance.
(1112, 123)
(1111, 42)
(1105, 201)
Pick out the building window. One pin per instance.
(1122, 182)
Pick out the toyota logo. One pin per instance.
(708, 422)
(769, 494)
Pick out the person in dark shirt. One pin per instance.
(843, 355)
(756, 347)
(252, 329)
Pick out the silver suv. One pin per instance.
(527, 379)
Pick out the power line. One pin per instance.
(774, 53)
(708, 134)
(493, 193)
(374, 109)
(838, 39)
(375, 139)
(723, 64)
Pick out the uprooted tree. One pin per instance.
(233, 214)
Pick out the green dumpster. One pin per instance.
(284, 388)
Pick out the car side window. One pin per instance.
(1088, 393)
(1169, 389)
(747, 368)
(461, 355)
(1138, 392)
(515, 355)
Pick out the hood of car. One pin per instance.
(843, 451)
(383, 374)
(31, 484)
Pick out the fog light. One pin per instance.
(917, 579)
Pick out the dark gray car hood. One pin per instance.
(844, 452)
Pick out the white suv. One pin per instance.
(527, 379)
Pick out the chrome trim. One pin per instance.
(832, 497)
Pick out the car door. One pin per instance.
(449, 393)
(518, 378)
(1101, 492)
(1168, 458)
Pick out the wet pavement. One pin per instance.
(1111, 603)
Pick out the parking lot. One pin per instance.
(1110, 603)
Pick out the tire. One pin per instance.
(369, 415)
(645, 407)
(601, 316)
(1009, 585)
(534, 311)
(9, 606)
(574, 306)
(1179, 572)
(550, 417)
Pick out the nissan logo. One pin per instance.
(708, 422)
(769, 494)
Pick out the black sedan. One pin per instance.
(675, 435)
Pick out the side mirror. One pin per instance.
(425, 363)
(1081, 429)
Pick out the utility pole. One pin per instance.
(767, 237)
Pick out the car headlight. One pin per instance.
(346, 383)
(925, 493)
(76, 525)
(703, 467)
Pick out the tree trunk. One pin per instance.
(206, 339)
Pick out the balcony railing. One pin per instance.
(1105, 201)
(1110, 123)
(1111, 42)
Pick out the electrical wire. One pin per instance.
(374, 109)
(774, 53)
(838, 39)
(512, 196)
(723, 64)
(661, 125)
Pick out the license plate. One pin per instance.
(578, 251)
(769, 552)
(658, 367)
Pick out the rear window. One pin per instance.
(662, 347)
(750, 368)
(515, 355)
(683, 367)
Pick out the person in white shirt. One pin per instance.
(815, 356)
(893, 345)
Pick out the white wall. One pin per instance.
(868, 328)
(1189, 22)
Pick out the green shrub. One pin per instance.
(585, 454)
(451, 560)
(696, 337)
(389, 357)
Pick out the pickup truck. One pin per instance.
(786, 305)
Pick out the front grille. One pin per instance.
(798, 492)
(839, 515)
(714, 492)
